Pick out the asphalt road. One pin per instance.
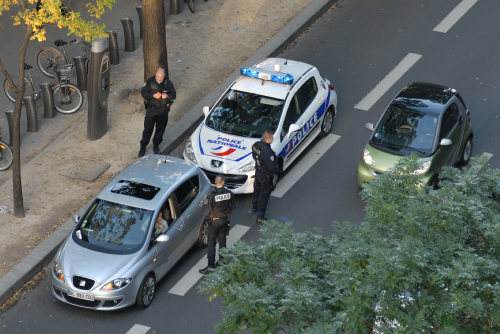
(355, 45)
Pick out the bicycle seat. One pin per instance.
(60, 42)
(27, 66)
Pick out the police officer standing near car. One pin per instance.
(159, 94)
(218, 207)
(266, 173)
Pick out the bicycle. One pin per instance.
(49, 56)
(68, 98)
(5, 155)
(190, 4)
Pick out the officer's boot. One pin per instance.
(142, 151)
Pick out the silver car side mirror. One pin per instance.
(162, 238)
(293, 128)
(370, 126)
(206, 110)
(445, 142)
(76, 219)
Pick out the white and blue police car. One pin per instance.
(288, 97)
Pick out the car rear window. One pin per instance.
(135, 189)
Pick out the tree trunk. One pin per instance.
(154, 37)
(16, 131)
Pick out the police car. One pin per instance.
(288, 97)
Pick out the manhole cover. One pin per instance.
(86, 169)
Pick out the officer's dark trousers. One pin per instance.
(262, 187)
(158, 120)
(216, 232)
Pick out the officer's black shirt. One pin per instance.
(219, 203)
(265, 158)
(152, 87)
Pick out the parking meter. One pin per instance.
(98, 82)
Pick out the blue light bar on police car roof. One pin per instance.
(258, 73)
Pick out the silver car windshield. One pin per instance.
(245, 114)
(113, 228)
(404, 131)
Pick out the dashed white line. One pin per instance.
(455, 15)
(305, 163)
(193, 276)
(383, 86)
(138, 329)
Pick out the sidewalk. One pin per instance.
(204, 48)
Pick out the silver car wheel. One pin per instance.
(148, 290)
(467, 150)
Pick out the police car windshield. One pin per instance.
(245, 114)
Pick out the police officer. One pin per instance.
(158, 93)
(266, 170)
(218, 207)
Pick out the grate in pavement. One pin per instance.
(86, 169)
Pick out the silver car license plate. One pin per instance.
(80, 295)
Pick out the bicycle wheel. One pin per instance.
(67, 98)
(11, 92)
(5, 156)
(190, 4)
(48, 58)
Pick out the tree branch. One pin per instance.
(7, 74)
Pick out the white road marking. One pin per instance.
(454, 16)
(305, 163)
(383, 86)
(486, 155)
(138, 329)
(193, 275)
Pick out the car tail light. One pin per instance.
(331, 86)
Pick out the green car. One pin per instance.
(429, 120)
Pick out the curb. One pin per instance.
(45, 251)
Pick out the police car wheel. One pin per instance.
(203, 234)
(327, 123)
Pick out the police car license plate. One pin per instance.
(80, 295)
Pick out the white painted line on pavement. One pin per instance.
(486, 155)
(305, 163)
(455, 15)
(138, 329)
(193, 275)
(383, 86)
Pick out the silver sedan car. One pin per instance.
(132, 233)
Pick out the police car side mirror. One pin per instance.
(293, 128)
(370, 126)
(162, 238)
(206, 110)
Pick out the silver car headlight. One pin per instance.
(249, 167)
(424, 168)
(189, 152)
(58, 271)
(367, 157)
(116, 284)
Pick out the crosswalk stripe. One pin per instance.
(138, 329)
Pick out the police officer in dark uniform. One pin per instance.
(218, 207)
(266, 170)
(159, 94)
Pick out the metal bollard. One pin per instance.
(174, 7)
(48, 100)
(139, 12)
(10, 119)
(31, 116)
(81, 73)
(128, 30)
(114, 53)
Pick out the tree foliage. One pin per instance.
(424, 261)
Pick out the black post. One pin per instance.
(114, 52)
(81, 73)
(48, 100)
(128, 31)
(174, 7)
(30, 106)
(139, 12)
(10, 119)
